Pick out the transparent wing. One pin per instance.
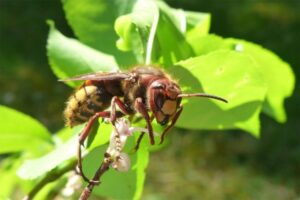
(100, 76)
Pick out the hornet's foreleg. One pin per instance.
(174, 119)
(141, 108)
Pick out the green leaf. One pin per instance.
(93, 23)
(140, 167)
(227, 74)
(7, 184)
(198, 24)
(35, 168)
(134, 29)
(272, 68)
(172, 44)
(124, 28)
(8, 177)
(32, 169)
(20, 132)
(187, 22)
(102, 136)
(278, 75)
(63, 134)
(48, 191)
(68, 57)
(205, 44)
(153, 33)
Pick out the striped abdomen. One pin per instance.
(85, 102)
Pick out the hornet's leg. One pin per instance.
(139, 140)
(177, 114)
(116, 101)
(141, 108)
(84, 134)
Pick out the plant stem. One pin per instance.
(95, 181)
(151, 38)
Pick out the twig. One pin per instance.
(96, 179)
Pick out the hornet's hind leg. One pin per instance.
(82, 137)
(113, 115)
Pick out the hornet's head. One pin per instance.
(164, 98)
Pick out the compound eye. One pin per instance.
(159, 100)
(158, 86)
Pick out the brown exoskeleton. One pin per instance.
(143, 89)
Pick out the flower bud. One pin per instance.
(122, 163)
(73, 184)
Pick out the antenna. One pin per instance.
(203, 95)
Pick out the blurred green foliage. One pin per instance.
(234, 164)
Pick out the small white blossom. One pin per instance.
(73, 184)
(122, 163)
(118, 138)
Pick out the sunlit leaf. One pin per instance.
(102, 136)
(63, 134)
(197, 23)
(205, 44)
(172, 44)
(20, 132)
(93, 23)
(35, 168)
(49, 190)
(8, 177)
(187, 22)
(133, 29)
(230, 75)
(124, 28)
(277, 74)
(68, 57)
(272, 68)
(155, 34)
(140, 167)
